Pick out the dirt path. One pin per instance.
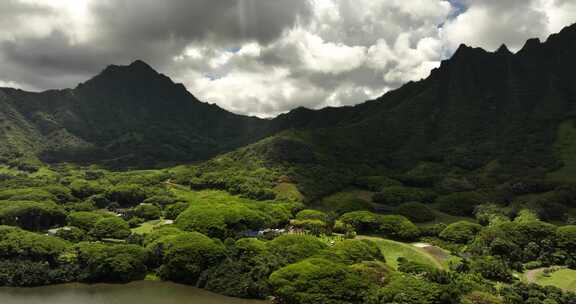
(532, 274)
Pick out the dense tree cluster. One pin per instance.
(97, 226)
(391, 226)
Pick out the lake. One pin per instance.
(144, 292)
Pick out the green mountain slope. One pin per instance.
(127, 115)
(480, 111)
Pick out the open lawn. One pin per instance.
(564, 278)
(147, 227)
(393, 250)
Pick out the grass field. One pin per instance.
(563, 278)
(147, 227)
(393, 250)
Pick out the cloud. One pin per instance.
(262, 57)
(490, 23)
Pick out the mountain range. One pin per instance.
(494, 111)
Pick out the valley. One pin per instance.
(453, 189)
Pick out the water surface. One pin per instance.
(144, 292)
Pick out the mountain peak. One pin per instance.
(139, 64)
(138, 74)
(503, 50)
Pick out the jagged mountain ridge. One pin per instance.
(476, 108)
(126, 115)
(493, 112)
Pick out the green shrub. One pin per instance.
(533, 265)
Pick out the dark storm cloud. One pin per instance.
(13, 9)
(261, 57)
(227, 20)
(125, 30)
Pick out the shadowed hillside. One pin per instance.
(497, 113)
(127, 115)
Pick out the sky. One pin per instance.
(262, 57)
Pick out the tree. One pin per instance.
(148, 212)
(186, 255)
(362, 221)
(309, 214)
(397, 195)
(115, 263)
(110, 227)
(318, 280)
(416, 212)
(83, 189)
(492, 268)
(566, 238)
(31, 215)
(291, 248)
(461, 203)
(173, 211)
(354, 251)
(161, 200)
(20, 244)
(221, 220)
(126, 195)
(477, 297)
(460, 232)
(85, 220)
(408, 289)
(398, 227)
(72, 234)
